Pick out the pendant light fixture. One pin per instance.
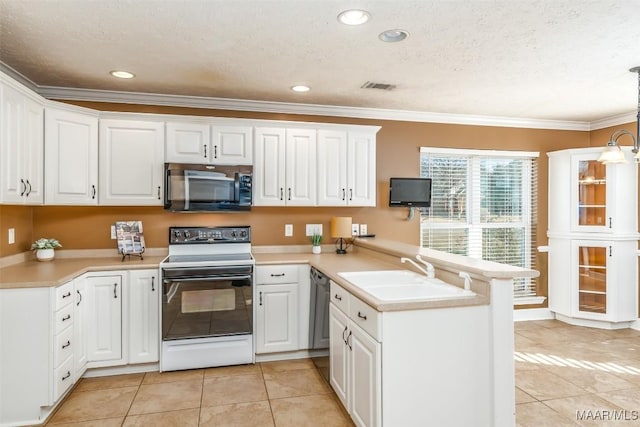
(612, 152)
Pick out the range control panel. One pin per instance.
(206, 235)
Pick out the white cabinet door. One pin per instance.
(144, 318)
(231, 145)
(269, 168)
(300, 167)
(34, 152)
(332, 168)
(277, 318)
(338, 353)
(21, 148)
(71, 158)
(346, 168)
(131, 163)
(187, 143)
(361, 170)
(365, 377)
(80, 327)
(104, 318)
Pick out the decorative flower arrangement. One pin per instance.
(45, 244)
(316, 239)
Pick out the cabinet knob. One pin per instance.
(277, 275)
(362, 316)
(338, 297)
(93, 191)
(79, 297)
(67, 344)
(159, 192)
(28, 191)
(66, 376)
(67, 317)
(281, 193)
(153, 286)
(260, 298)
(351, 194)
(67, 295)
(215, 151)
(205, 151)
(115, 290)
(24, 187)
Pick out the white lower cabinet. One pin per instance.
(104, 318)
(355, 368)
(80, 327)
(144, 337)
(282, 309)
(277, 318)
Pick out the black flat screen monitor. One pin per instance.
(412, 192)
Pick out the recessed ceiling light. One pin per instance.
(392, 36)
(354, 17)
(122, 74)
(300, 88)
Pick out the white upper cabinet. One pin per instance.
(71, 157)
(346, 168)
(586, 196)
(21, 147)
(268, 171)
(131, 162)
(231, 145)
(204, 143)
(285, 167)
(187, 142)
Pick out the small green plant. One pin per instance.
(316, 239)
(45, 244)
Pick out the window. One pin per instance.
(484, 205)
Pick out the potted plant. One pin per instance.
(45, 248)
(316, 239)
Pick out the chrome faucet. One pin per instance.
(429, 272)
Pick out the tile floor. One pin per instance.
(288, 393)
(560, 370)
(574, 376)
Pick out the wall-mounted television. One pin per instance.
(412, 192)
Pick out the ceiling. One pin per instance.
(564, 60)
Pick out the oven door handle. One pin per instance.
(201, 278)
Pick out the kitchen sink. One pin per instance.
(397, 285)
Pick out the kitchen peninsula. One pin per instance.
(462, 350)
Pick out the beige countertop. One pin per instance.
(35, 274)
(31, 273)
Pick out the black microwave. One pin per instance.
(207, 188)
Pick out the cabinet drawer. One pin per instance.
(339, 297)
(62, 378)
(64, 318)
(365, 316)
(273, 274)
(64, 295)
(63, 347)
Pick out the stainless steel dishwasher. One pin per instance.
(319, 311)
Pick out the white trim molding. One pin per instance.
(532, 314)
(74, 94)
(529, 300)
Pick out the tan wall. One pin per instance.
(20, 219)
(398, 146)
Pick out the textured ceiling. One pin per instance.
(560, 60)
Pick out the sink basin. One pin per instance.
(397, 285)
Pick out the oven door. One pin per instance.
(202, 302)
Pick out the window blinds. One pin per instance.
(484, 205)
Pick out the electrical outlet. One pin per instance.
(355, 229)
(363, 229)
(313, 229)
(12, 236)
(113, 232)
(288, 230)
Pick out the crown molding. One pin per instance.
(74, 94)
(17, 76)
(619, 119)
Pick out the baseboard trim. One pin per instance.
(290, 355)
(532, 314)
(119, 370)
(635, 325)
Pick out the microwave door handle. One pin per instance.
(167, 189)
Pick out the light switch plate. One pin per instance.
(355, 229)
(113, 232)
(12, 236)
(363, 229)
(288, 230)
